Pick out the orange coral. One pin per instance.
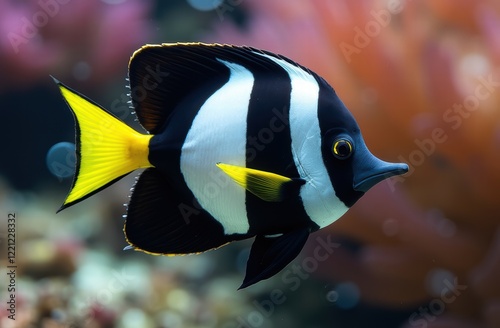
(423, 80)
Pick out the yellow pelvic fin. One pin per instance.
(265, 185)
(107, 149)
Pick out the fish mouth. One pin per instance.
(375, 172)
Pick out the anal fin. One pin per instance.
(270, 254)
(156, 224)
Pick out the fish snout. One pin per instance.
(369, 170)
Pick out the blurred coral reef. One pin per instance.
(81, 40)
(423, 79)
(422, 250)
(71, 272)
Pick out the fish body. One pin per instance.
(240, 143)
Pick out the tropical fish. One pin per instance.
(240, 143)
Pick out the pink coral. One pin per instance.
(91, 39)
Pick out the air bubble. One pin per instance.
(82, 71)
(436, 281)
(345, 295)
(332, 296)
(61, 159)
(204, 5)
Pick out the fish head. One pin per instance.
(352, 168)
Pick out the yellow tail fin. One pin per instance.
(106, 148)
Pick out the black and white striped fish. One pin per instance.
(241, 143)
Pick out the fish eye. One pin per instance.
(342, 148)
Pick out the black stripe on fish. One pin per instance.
(340, 171)
(268, 149)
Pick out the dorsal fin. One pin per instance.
(162, 75)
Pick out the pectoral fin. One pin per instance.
(267, 186)
(269, 255)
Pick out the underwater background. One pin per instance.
(422, 79)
